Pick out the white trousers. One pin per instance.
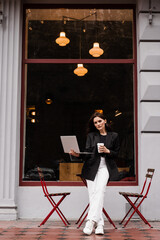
(96, 192)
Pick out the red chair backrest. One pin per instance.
(43, 183)
(147, 182)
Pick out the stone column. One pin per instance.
(10, 94)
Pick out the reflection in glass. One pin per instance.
(106, 87)
(111, 28)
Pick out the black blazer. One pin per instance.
(92, 161)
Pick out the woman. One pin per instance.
(98, 168)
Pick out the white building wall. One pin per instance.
(149, 102)
(30, 200)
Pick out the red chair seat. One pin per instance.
(131, 194)
(57, 194)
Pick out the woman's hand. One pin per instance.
(103, 149)
(73, 153)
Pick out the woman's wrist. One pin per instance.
(107, 151)
(73, 153)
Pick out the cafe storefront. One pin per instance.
(60, 62)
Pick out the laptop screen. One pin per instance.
(70, 142)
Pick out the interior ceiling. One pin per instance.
(102, 14)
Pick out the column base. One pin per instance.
(8, 213)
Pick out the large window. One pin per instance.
(55, 101)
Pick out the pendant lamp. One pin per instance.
(80, 70)
(62, 40)
(96, 51)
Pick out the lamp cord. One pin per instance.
(96, 26)
(80, 44)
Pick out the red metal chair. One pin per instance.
(50, 196)
(139, 196)
(83, 217)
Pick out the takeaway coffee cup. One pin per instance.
(98, 145)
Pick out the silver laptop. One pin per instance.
(70, 142)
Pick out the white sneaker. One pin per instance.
(99, 230)
(88, 227)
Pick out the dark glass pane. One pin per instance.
(111, 28)
(72, 100)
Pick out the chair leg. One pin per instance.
(128, 211)
(105, 213)
(109, 219)
(82, 214)
(82, 220)
(137, 211)
(60, 212)
(51, 212)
